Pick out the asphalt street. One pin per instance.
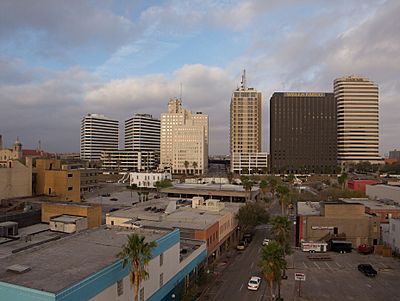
(232, 283)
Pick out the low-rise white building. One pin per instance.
(391, 234)
(148, 179)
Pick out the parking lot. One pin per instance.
(339, 278)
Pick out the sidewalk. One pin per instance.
(210, 289)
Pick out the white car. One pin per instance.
(254, 283)
(265, 242)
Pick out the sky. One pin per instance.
(60, 60)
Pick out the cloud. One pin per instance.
(283, 45)
(205, 89)
(57, 27)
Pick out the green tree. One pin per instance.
(251, 215)
(194, 164)
(230, 177)
(137, 254)
(165, 183)
(282, 193)
(263, 186)
(247, 186)
(281, 232)
(186, 163)
(342, 180)
(272, 264)
(290, 178)
(272, 182)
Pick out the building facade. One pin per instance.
(245, 124)
(317, 221)
(52, 180)
(15, 179)
(303, 132)
(142, 133)
(98, 133)
(249, 163)
(357, 119)
(128, 160)
(184, 140)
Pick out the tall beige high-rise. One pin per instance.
(357, 119)
(245, 128)
(184, 140)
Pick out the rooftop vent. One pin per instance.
(18, 268)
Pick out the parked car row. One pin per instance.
(245, 241)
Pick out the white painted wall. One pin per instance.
(147, 179)
(394, 234)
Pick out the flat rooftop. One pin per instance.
(374, 205)
(308, 208)
(57, 265)
(183, 217)
(224, 187)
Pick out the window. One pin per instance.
(161, 259)
(141, 294)
(120, 287)
(69, 188)
(70, 175)
(161, 279)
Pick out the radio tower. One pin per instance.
(243, 82)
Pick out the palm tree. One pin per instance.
(281, 231)
(272, 181)
(186, 163)
(247, 185)
(194, 164)
(137, 253)
(263, 186)
(342, 179)
(272, 264)
(283, 194)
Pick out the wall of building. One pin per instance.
(52, 180)
(210, 235)
(359, 185)
(226, 225)
(147, 179)
(15, 180)
(383, 192)
(393, 237)
(343, 210)
(358, 230)
(91, 212)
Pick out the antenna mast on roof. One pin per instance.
(180, 93)
(243, 82)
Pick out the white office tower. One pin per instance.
(142, 133)
(357, 119)
(184, 140)
(98, 133)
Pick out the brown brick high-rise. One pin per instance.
(303, 132)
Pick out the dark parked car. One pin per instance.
(248, 237)
(114, 199)
(106, 195)
(367, 270)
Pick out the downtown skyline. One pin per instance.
(60, 61)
